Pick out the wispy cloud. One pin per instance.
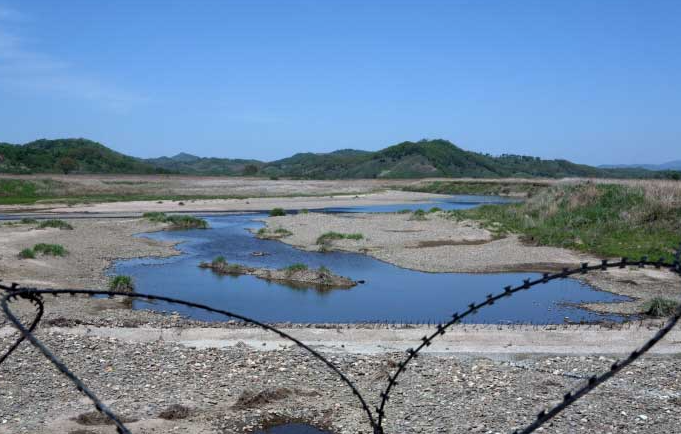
(7, 14)
(28, 71)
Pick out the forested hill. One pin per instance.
(435, 158)
(426, 158)
(68, 156)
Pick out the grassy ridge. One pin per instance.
(605, 219)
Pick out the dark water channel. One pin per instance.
(292, 428)
(390, 293)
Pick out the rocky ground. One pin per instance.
(235, 389)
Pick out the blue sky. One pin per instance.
(591, 81)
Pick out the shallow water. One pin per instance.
(390, 294)
(292, 428)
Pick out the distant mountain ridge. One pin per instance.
(425, 158)
(670, 165)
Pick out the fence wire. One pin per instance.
(377, 416)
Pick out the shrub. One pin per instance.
(434, 210)
(331, 236)
(283, 232)
(277, 212)
(50, 249)
(121, 283)
(186, 222)
(294, 268)
(155, 216)
(659, 307)
(59, 224)
(27, 221)
(27, 254)
(220, 260)
(419, 215)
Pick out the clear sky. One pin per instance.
(593, 81)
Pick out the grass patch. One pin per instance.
(608, 220)
(155, 216)
(28, 221)
(54, 223)
(177, 221)
(50, 249)
(27, 254)
(327, 237)
(186, 222)
(121, 283)
(294, 268)
(660, 307)
(495, 188)
(277, 212)
(418, 215)
(221, 266)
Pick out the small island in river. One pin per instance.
(296, 274)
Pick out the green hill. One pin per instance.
(425, 158)
(435, 158)
(193, 165)
(68, 156)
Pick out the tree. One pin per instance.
(67, 164)
(250, 170)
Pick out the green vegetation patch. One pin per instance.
(121, 283)
(50, 249)
(604, 219)
(493, 188)
(27, 254)
(418, 215)
(327, 237)
(277, 212)
(54, 223)
(177, 222)
(294, 268)
(660, 307)
(158, 217)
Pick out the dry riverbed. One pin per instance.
(165, 373)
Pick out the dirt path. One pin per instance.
(485, 340)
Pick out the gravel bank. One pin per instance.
(390, 197)
(439, 394)
(93, 245)
(436, 244)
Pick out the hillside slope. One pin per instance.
(433, 158)
(193, 165)
(68, 156)
(425, 158)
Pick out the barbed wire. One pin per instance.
(376, 417)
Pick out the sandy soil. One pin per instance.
(222, 205)
(437, 244)
(93, 245)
